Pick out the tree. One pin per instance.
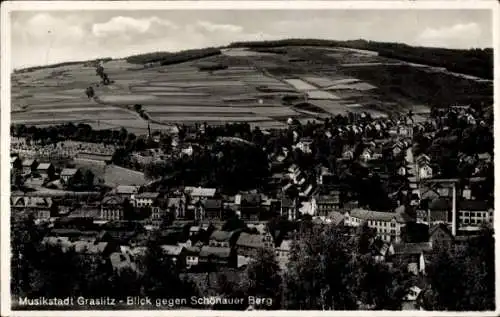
(327, 272)
(166, 142)
(377, 285)
(157, 169)
(128, 210)
(56, 273)
(264, 278)
(119, 156)
(124, 283)
(462, 278)
(25, 242)
(88, 179)
(90, 92)
(231, 289)
(234, 223)
(365, 237)
(160, 276)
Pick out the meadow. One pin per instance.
(235, 84)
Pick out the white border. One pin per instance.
(7, 7)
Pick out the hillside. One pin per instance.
(260, 83)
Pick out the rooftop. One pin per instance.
(90, 247)
(248, 199)
(207, 251)
(69, 171)
(286, 245)
(126, 190)
(250, 240)
(113, 200)
(28, 162)
(213, 203)
(172, 249)
(220, 235)
(43, 166)
(379, 215)
(200, 192)
(151, 195)
(412, 248)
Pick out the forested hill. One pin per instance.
(475, 62)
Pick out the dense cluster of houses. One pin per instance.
(117, 223)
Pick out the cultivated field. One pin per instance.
(251, 88)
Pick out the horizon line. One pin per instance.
(332, 41)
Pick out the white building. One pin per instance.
(425, 171)
(145, 199)
(388, 224)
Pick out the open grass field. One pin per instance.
(249, 88)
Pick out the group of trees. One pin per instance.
(462, 278)
(102, 74)
(167, 58)
(44, 270)
(330, 269)
(75, 132)
(34, 68)
(228, 166)
(477, 62)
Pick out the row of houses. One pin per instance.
(223, 249)
(43, 170)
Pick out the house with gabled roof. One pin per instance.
(424, 171)
(223, 239)
(29, 165)
(70, 174)
(397, 149)
(16, 163)
(121, 261)
(176, 253)
(249, 244)
(322, 205)
(217, 256)
(45, 170)
(440, 235)
(40, 207)
(423, 158)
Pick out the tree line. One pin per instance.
(34, 68)
(476, 62)
(167, 58)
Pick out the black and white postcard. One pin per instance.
(248, 157)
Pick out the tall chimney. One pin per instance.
(454, 210)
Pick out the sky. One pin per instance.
(47, 37)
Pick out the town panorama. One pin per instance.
(267, 175)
